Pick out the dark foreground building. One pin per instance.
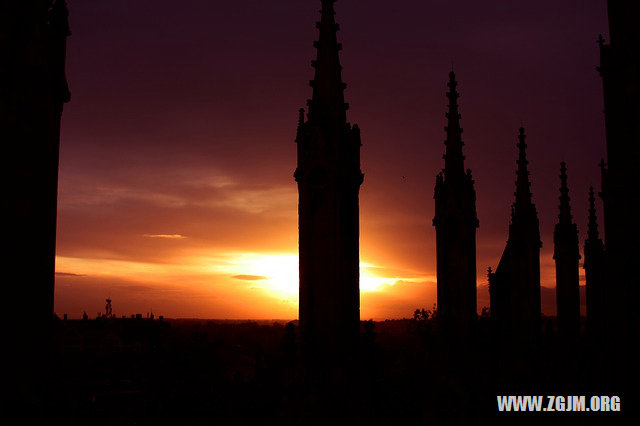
(566, 253)
(329, 178)
(514, 287)
(33, 90)
(619, 65)
(455, 222)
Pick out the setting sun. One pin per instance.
(275, 273)
(278, 273)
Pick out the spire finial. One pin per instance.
(565, 207)
(453, 158)
(327, 103)
(593, 219)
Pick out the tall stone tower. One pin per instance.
(566, 253)
(619, 65)
(34, 90)
(619, 69)
(455, 222)
(329, 179)
(514, 287)
(594, 270)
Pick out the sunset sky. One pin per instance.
(177, 149)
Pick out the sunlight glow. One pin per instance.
(227, 280)
(278, 273)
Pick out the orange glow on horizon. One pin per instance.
(240, 278)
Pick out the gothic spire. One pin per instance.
(327, 104)
(453, 158)
(593, 220)
(565, 209)
(523, 186)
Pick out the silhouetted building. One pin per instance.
(33, 91)
(455, 222)
(514, 287)
(594, 271)
(566, 253)
(619, 64)
(329, 178)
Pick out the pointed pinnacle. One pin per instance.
(522, 145)
(453, 94)
(327, 103)
(523, 186)
(454, 159)
(565, 208)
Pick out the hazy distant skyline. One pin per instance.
(177, 152)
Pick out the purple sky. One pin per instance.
(183, 117)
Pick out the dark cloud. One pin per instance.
(250, 277)
(68, 274)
